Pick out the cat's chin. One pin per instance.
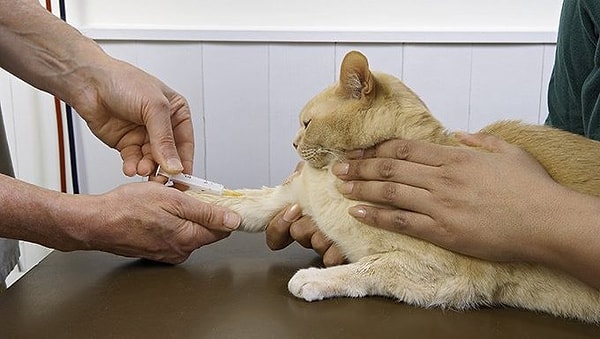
(318, 164)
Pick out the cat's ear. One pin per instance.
(356, 80)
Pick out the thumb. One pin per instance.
(212, 217)
(162, 141)
(486, 141)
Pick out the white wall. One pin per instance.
(321, 21)
(247, 70)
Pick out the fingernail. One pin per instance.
(292, 214)
(174, 165)
(354, 154)
(357, 211)
(340, 168)
(231, 220)
(346, 187)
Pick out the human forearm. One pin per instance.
(43, 51)
(571, 241)
(42, 216)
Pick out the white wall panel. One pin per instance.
(36, 146)
(441, 76)
(6, 99)
(179, 65)
(382, 57)
(296, 73)
(505, 83)
(236, 112)
(548, 64)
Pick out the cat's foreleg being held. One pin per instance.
(256, 207)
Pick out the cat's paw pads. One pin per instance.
(310, 285)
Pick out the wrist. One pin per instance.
(567, 238)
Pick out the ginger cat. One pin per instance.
(363, 109)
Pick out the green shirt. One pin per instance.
(574, 90)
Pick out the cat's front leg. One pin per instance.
(256, 207)
(350, 280)
(389, 274)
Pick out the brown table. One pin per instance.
(236, 288)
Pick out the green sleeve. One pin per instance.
(574, 90)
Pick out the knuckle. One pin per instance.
(403, 149)
(209, 214)
(390, 192)
(333, 257)
(300, 233)
(386, 168)
(459, 156)
(319, 242)
(399, 221)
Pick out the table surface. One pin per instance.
(236, 288)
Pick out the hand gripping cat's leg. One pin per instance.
(256, 207)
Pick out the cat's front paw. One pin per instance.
(305, 284)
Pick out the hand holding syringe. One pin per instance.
(193, 182)
(196, 183)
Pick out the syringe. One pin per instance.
(193, 182)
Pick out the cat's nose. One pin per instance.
(295, 145)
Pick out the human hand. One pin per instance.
(290, 225)
(138, 115)
(151, 221)
(488, 204)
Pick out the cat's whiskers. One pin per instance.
(317, 154)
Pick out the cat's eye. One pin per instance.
(306, 123)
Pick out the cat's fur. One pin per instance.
(363, 109)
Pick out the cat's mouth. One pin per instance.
(318, 157)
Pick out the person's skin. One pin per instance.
(291, 225)
(129, 110)
(498, 205)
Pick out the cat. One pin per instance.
(363, 109)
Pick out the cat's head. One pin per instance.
(359, 111)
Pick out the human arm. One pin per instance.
(126, 108)
(499, 205)
(143, 220)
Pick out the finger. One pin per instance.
(146, 165)
(385, 169)
(302, 231)
(389, 194)
(327, 249)
(200, 237)
(278, 231)
(416, 151)
(131, 156)
(206, 236)
(486, 141)
(183, 129)
(396, 220)
(160, 131)
(210, 216)
(333, 256)
(320, 243)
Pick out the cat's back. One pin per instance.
(570, 159)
